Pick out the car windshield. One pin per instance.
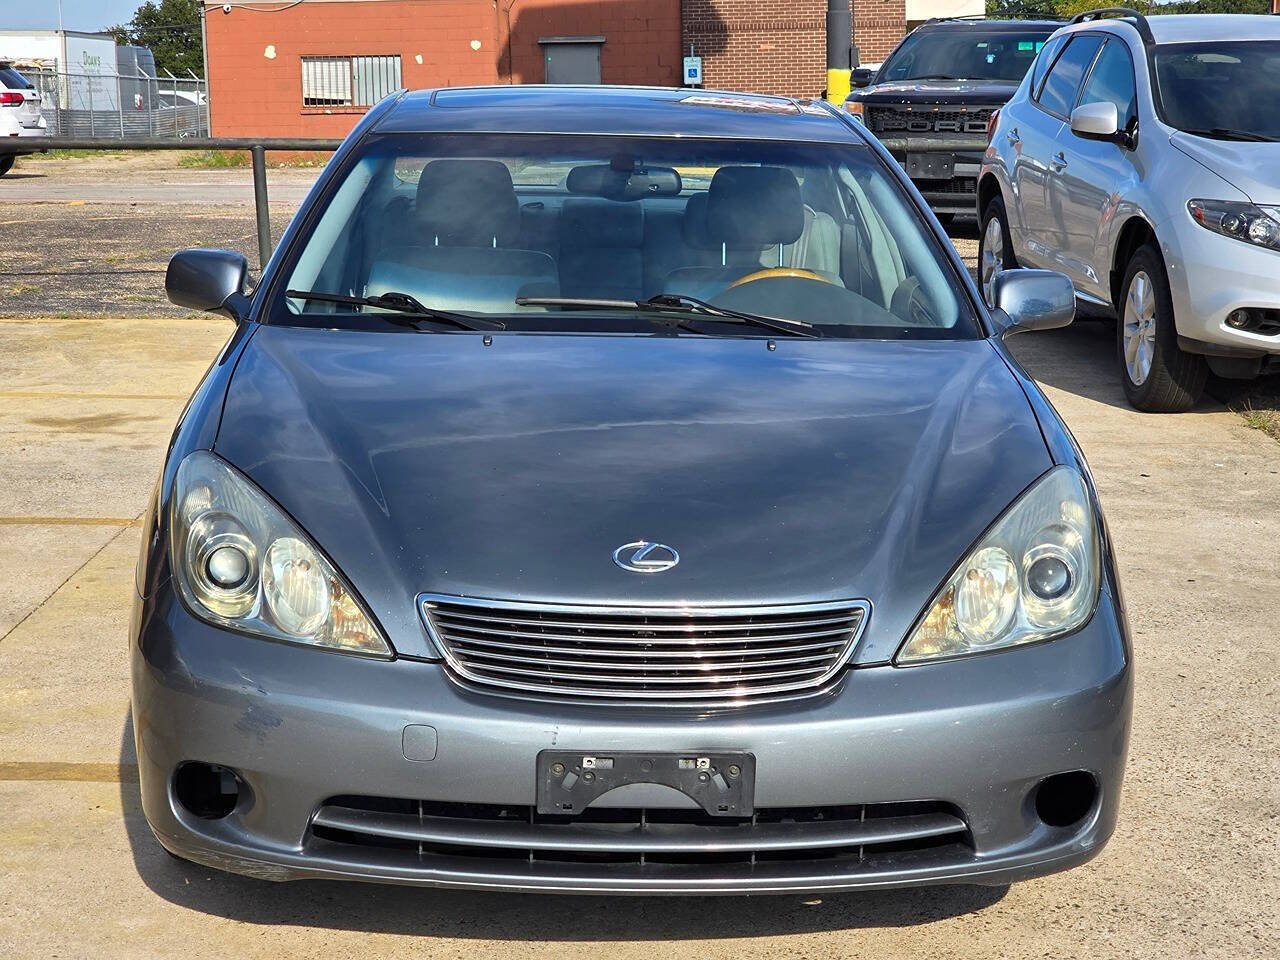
(819, 239)
(965, 55)
(1224, 90)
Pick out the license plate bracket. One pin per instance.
(722, 783)
(931, 166)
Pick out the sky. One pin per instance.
(87, 15)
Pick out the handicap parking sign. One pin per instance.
(693, 71)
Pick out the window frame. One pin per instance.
(352, 105)
(1084, 74)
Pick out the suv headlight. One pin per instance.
(1034, 575)
(1248, 222)
(241, 563)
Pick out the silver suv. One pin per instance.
(1141, 157)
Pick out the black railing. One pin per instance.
(257, 150)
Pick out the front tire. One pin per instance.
(1158, 376)
(995, 248)
(6, 164)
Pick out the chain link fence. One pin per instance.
(116, 106)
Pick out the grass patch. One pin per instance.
(230, 159)
(73, 154)
(1266, 419)
(215, 159)
(22, 289)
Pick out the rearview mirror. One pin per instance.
(1028, 300)
(861, 77)
(210, 280)
(618, 181)
(1097, 121)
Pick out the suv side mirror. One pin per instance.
(1098, 121)
(861, 77)
(209, 280)
(1028, 300)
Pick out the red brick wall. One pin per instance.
(780, 46)
(642, 37)
(252, 94)
(769, 46)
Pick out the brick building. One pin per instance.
(311, 67)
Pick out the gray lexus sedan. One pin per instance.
(624, 491)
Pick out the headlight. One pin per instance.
(1247, 222)
(1034, 575)
(241, 563)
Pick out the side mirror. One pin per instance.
(1028, 300)
(861, 77)
(1098, 121)
(210, 280)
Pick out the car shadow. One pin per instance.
(375, 908)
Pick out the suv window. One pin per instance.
(13, 80)
(1112, 81)
(1042, 63)
(1063, 82)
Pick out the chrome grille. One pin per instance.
(928, 119)
(686, 656)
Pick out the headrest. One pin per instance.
(468, 203)
(601, 223)
(694, 225)
(754, 206)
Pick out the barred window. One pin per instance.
(348, 81)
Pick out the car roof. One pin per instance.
(616, 111)
(1192, 27)
(977, 25)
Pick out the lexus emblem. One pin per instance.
(645, 557)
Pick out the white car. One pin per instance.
(20, 116)
(1141, 157)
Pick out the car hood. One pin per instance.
(819, 470)
(970, 92)
(1249, 167)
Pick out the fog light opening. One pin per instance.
(1239, 319)
(206, 790)
(1066, 798)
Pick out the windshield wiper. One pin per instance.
(687, 307)
(1223, 133)
(400, 303)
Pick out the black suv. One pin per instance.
(939, 88)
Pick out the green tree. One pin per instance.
(171, 29)
(1065, 9)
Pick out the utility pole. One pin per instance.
(840, 50)
(204, 56)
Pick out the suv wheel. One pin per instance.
(6, 164)
(1158, 375)
(995, 249)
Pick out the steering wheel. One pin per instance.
(797, 272)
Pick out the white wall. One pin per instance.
(926, 9)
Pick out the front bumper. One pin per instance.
(1212, 275)
(947, 181)
(301, 727)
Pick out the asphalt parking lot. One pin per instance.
(94, 371)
